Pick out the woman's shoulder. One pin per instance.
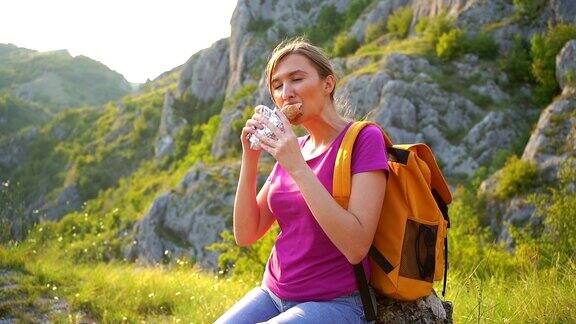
(370, 132)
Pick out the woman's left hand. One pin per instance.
(284, 148)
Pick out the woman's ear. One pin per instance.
(329, 84)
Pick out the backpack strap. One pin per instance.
(342, 184)
(341, 189)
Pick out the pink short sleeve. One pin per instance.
(369, 152)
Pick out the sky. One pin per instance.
(138, 38)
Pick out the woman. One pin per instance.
(309, 276)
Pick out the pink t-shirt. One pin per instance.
(304, 264)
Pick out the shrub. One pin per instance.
(474, 251)
(259, 25)
(345, 44)
(456, 42)
(483, 45)
(330, 22)
(195, 110)
(554, 243)
(516, 177)
(399, 21)
(354, 10)
(517, 64)
(451, 45)
(560, 213)
(528, 10)
(544, 48)
(375, 30)
(181, 140)
(246, 93)
(432, 28)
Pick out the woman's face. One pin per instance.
(295, 80)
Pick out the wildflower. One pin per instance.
(77, 295)
(177, 293)
(60, 239)
(56, 298)
(54, 288)
(166, 252)
(151, 295)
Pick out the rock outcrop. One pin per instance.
(428, 309)
(566, 67)
(552, 142)
(416, 101)
(169, 127)
(182, 222)
(206, 73)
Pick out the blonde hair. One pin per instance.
(300, 45)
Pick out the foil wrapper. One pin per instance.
(273, 117)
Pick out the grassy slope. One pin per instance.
(116, 291)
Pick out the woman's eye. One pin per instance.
(297, 79)
(277, 87)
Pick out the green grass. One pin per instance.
(544, 296)
(410, 46)
(118, 291)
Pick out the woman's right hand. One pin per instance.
(250, 128)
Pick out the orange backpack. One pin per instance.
(410, 247)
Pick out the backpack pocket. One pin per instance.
(418, 258)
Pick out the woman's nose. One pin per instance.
(287, 91)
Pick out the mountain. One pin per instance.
(56, 79)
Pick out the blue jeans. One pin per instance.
(260, 305)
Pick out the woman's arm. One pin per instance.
(252, 216)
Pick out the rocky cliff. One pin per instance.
(552, 143)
